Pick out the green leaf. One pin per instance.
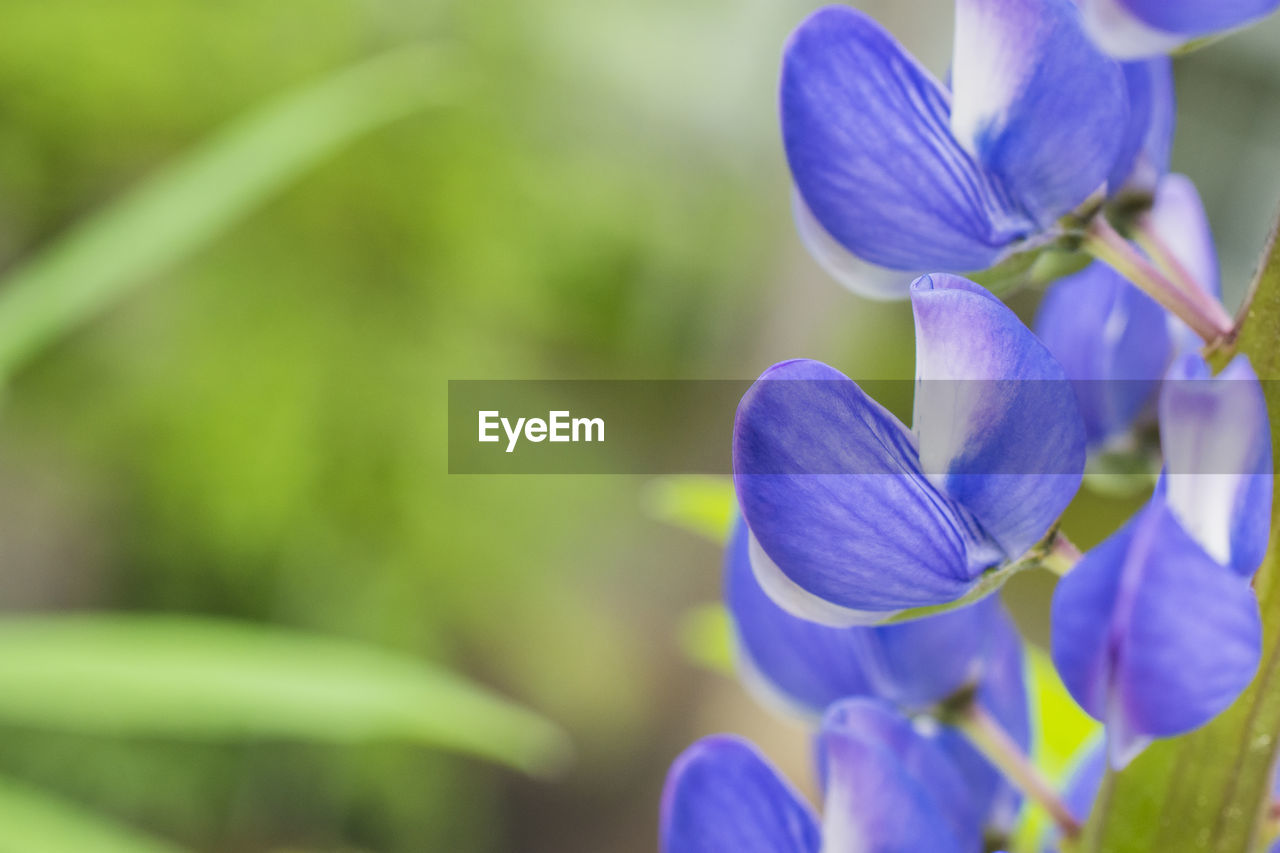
(1207, 790)
(207, 679)
(32, 821)
(700, 504)
(195, 199)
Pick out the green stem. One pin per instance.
(1204, 314)
(989, 738)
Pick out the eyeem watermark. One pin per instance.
(559, 426)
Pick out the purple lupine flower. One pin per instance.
(1157, 630)
(802, 667)
(887, 789)
(896, 172)
(1114, 342)
(853, 517)
(1130, 29)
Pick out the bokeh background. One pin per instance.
(258, 431)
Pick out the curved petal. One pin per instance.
(1126, 645)
(998, 424)
(889, 789)
(722, 796)
(1113, 343)
(1122, 34)
(1217, 453)
(830, 486)
(865, 279)
(1198, 17)
(1089, 766)
(1148, 139)
(1133, 28)
(865, 129)
(1035, 102)
(804, 667)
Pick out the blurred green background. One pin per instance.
(258, 432)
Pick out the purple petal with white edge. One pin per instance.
(830, 486)
(1198, 17)
(998, 425)
(1113, 342)
(1151, 635)
(888, 788)
(1217, 455)
(862, 278)
(722, 796)
(865, 129)
(1135, 28)
(1035, 102)
(1148, 139)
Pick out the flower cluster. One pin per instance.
(860, 574)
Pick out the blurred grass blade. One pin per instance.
(701, 504)
(32, 821)
(195, 199)
(207, 679)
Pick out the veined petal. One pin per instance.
(998, 424)
(1035, 102)
(830, 485)
(888, 788)
(866, 133)
(1217, 453)
(1151, 635)
(1148, 139)
(865, 279)
(722, 796)
(1113, 342)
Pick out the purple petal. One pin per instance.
(803, 666)
(1148, 140)
(1003, 692)
(1217, 453)
(1134, 28)
(866, 133)
(1113, 343)
(722, 796)
(1151, 635)
(1090, 765)
(1035, 102)
(791, 662)
(830, 486)
(889, 789)
(998, 424)
(865, 279)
